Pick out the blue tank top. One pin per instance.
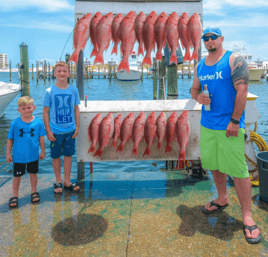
(221, 92)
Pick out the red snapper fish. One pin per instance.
(184, 36)
(138, 26)
(116, 32)
(104, 36)
(106, 131)
(80, 36)
(138, 132)
(170, 130)
(160, 129)
(160, 34)
(128, 38)
(149, 132)
(195, 32)
(117, 126)
(172, 35)
(126, 131)
(93, 33)
(183, 134)
(148, 37)
(93, 132)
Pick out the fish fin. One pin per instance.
(182, 155)
(74, 56)
(120, 148)
(147, 60)
(114, 144)
(195, 55)
(98, 153)
(135, 151)
(114, 51)
(168, 149)
(187, 56)
(173, 58)
(140, 49)
(99, 59)
(147, 151)
(94, 51)
(159, 145)
(91, 149)
(123, 66)
(158, 56)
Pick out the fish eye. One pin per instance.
(151, 116)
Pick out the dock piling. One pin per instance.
(24, 69)
(10, 71)
(162, 80)
(154, 79)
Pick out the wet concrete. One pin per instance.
(127, 214)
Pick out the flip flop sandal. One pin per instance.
(252, 240)
(71, 187)
(220, 208)
(15, 200)
(57, 185)
(35, 195)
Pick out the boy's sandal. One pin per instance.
(252, 240)
(14, 200)
(71, 187)
(57, 185)
(35, 195)
(220, 208)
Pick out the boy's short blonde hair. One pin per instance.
(61, 63)
(25, 100)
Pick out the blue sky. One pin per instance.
(46, 25)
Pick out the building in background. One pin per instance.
(3, 61)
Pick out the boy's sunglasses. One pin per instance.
(213, 37)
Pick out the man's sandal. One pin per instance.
(250, 229)
(71, 187)
(220, 208)
(57, 185)
(35, 195)
(15, 200)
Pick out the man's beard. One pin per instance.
(211, 50)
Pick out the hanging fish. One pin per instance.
(93, 34)
(160, 129)
(149, 132)
(93, 132)
(117, 127)
(138, 132)
(138, 25)
(170, 130)
(116, 32)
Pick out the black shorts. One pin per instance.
(19, 168)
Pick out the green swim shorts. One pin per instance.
(226, 154)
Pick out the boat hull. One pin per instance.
(125, 76)
(255, 74)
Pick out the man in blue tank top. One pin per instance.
(225, 75)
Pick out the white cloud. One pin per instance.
(46, 6)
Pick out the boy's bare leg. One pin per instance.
(220, 180)
(67, 171)
(15, 187)
(243, 190)
(57, 170)
(33, 180)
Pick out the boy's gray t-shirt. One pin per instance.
(61, 104)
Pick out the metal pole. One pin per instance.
(25, 69)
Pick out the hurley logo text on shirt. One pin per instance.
(217, 75)
(63, 108)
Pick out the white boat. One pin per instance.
(8, 91)
(255, 73)
(134, 69)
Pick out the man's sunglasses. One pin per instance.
(213, 37)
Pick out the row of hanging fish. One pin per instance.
(102, 130)
(147, 31)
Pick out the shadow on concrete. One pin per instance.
(220, 226)
(260, 203)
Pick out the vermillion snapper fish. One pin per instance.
(104, 36)
(160, 34)
(148, 37)
(117, 127)
(195, 32)
(170, 130)
(80, 36)
(138, 132)
(149, 132)
(128, 38)
(183, 134)
(138, 25)
(172, 35)
(93, 132)
(116, 32)
(126, 131)
(186, 41)
(106, 131)
(93, 36)
(160, 129)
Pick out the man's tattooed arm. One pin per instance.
(240, 70)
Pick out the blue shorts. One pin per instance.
(64, 145)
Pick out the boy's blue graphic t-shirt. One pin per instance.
(25, 138)
(61, 104)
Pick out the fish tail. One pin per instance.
(195, 55)
(99, 59)
(98, 153)
(114, 51)
(114, 144)
(182, 156)
(92, 149)
(158, 56)
(94, 51)
(187, 56)
(74, 56)
(173, 58)
(159, 145)
(120, 148)
(140, 49)
(123, 66)
(168, 148)
(147, 151)
(135, 151)
(147, 60)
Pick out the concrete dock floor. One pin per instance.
(127, 214)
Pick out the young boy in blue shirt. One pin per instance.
(62, 120)
(24, 134)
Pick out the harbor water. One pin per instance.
(102, 89)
